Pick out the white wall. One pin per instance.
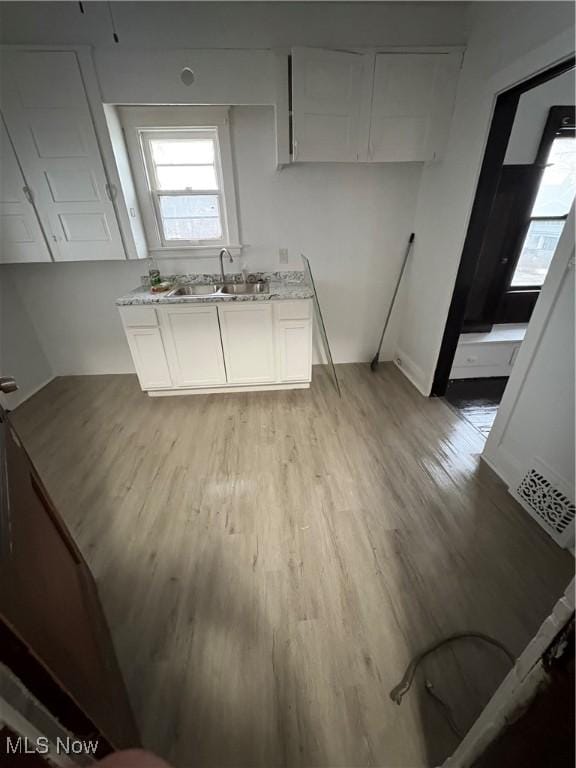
(352, 222)
(21, 353)
(532, 114)
(509, 42)
(535, 420)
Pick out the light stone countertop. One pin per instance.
(288, 285)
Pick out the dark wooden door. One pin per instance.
(53, 632)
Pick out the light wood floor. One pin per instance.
(269, 562)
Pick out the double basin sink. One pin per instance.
(196, 290)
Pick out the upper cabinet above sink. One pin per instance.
(371, 107)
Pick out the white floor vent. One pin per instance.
(549, 500)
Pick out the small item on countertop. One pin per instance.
(155, 278)
(153, 273)
(160, 287)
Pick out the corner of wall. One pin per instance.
(412, 371)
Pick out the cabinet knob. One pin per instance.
(7, 384)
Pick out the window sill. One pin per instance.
(194, 251)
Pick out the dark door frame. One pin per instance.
(498, 136)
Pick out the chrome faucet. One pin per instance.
(220, 256)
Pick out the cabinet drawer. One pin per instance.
(138, 316)
(484, 354)
(293, 310)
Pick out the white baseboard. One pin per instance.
(413, 372)
(224, 390)
(503, 464)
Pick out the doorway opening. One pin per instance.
(526, 187)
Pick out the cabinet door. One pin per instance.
(330, 99)
(48, 117)
(412, 104)
(294, 344)
(193, 346)
(21, 238)
(248, 342)
(149, 357)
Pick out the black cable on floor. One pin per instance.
(399, 691)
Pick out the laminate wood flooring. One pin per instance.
(269, 562)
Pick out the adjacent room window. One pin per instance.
(183, 173)
(553, 200)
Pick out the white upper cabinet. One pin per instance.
(21, 237)
(371, 107)
(48, 118)
(328, 96)
(412, 102)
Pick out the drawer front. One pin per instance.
(484, 354)
(138, 316)
(293, 310)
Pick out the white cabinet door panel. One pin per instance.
(48, 117)
(248, 342)
(149, 357)
(193, 347)
(21, 238)
(329, 100)
(412, 103)
(294, 345)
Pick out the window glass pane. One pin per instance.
(558, 185)
(176, 177)
(188, 206)
(537, 252)
(192, 229)
(182, 151)
(190, 217)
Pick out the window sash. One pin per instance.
(173, 243)
(146, 137)
(538, 286)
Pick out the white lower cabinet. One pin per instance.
(149, 357)
(193, 347)
(294, 350)
(248, 342)
(221, 347)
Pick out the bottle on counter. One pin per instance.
(153, 273)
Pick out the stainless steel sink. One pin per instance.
(240, 289)
(195, 290)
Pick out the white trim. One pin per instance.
(135, 119)
(225, 389)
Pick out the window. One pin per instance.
(181, 161)
(553, 200)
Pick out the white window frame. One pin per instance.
(138, 124)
